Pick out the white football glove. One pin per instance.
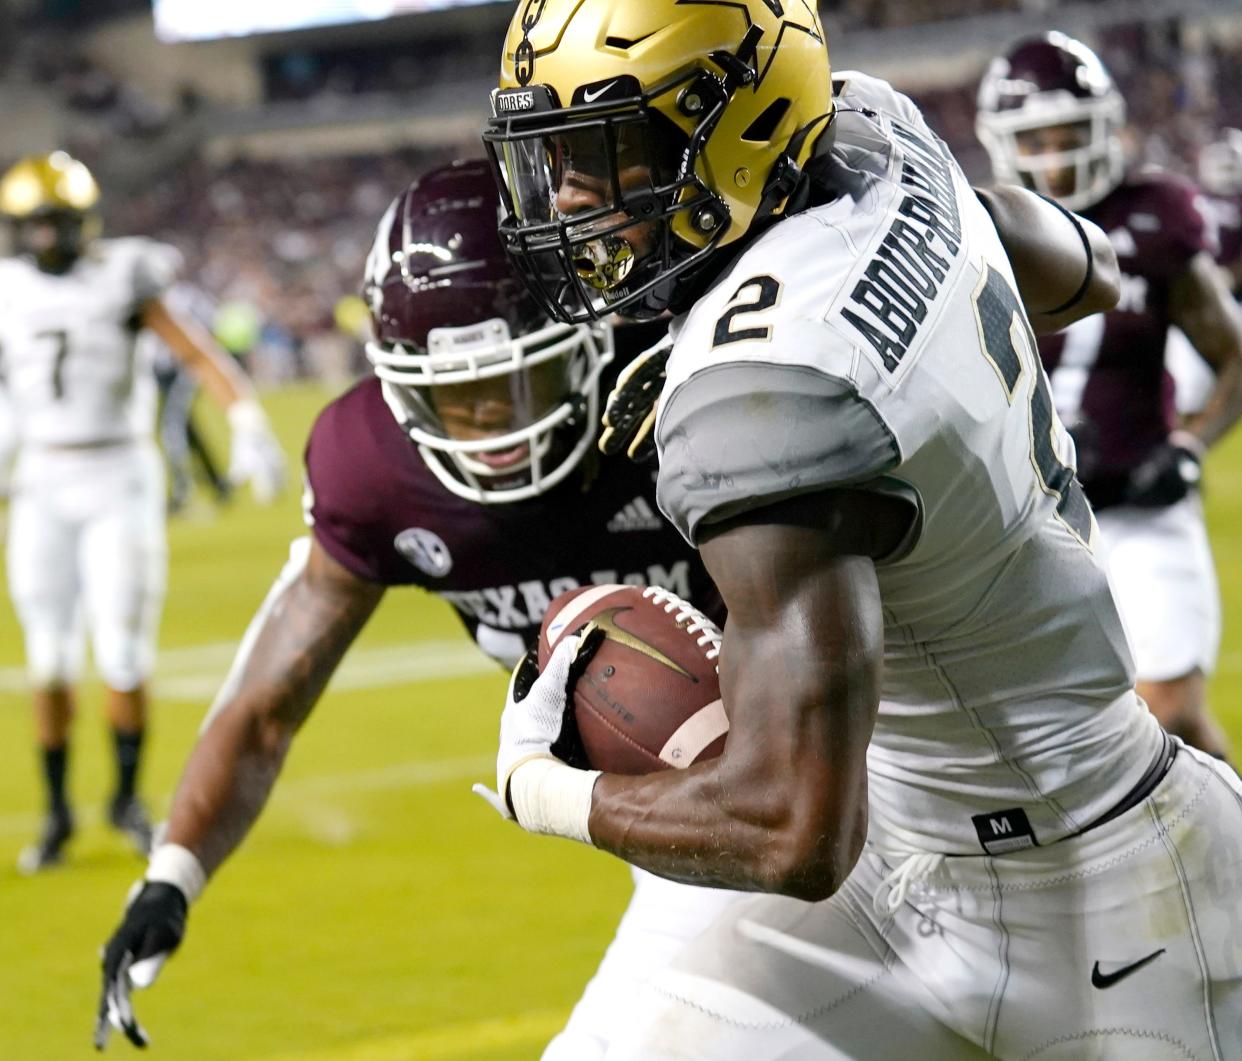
(255, 456)
(534, 786)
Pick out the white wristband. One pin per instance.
(552, 798)
(177, 865)
(246, 416)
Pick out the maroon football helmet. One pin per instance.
(502, 403)
(1053, 84)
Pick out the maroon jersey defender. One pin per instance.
(378, 511)
(1107, 372)
(1051, 118)
(467, 467)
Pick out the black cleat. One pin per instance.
(127, 815)
(48, 851)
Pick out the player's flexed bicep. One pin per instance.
(784, 809)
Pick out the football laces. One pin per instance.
(696, 622)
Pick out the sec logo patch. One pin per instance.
(425, 550)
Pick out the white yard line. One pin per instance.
(414, 774)
(193, 674)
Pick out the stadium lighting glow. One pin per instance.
(193, 20)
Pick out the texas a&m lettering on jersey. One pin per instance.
(908, 270)
(523, 606)
(374, 506)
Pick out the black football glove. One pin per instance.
(630, 412)
(1167, 475)
(151, 930)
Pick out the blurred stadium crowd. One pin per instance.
(278, 243)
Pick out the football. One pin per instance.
(650, 697)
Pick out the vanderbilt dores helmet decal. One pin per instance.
(636, 139)
(524, 53)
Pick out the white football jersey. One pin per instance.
(68, 349)
(877, 341)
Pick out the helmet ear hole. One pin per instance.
(762, 129)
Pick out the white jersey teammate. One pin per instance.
(981, 842)
(86, 544)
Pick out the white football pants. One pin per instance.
(86, 549)
(1124, 944)
(661, 919)
(1161, 571)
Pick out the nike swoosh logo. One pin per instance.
(591, 97)
(1106, 980)
(606, 621)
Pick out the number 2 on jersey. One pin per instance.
(1001, 320)
(60, 338)
(766, 293)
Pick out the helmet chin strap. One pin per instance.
(786, 174)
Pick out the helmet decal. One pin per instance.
(524, 54)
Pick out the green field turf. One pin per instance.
(379, 911)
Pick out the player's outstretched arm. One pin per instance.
(294, 644)
(1065, 266)
(292, 648)
(256, 457)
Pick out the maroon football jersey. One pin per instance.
(1107, 371)
(376, 509)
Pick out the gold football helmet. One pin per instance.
(635, 139)
(50, 201)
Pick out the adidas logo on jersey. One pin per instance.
(636, 516)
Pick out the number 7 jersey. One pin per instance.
(876, 341)
(68, 354)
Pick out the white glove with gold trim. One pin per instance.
(630, 412)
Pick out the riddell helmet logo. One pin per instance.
(524, 56)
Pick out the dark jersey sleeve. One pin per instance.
(1175, 211)
(344, 502)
